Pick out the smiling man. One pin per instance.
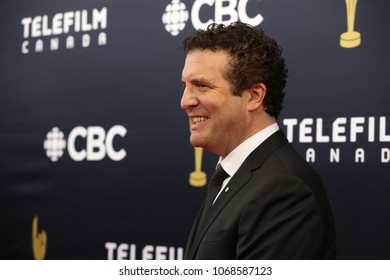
(265, 201)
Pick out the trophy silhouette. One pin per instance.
(351, 38)
(39, 241)
(198, 178)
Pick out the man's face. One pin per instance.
(218, 119)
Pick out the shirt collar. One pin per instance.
(232, 162)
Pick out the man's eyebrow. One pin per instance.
(195, 80)
(199, 79)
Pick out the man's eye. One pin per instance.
(201, 85)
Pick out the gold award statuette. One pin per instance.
(198, 178)
(39, 241)
(351, 38)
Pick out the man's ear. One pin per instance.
(256, 96)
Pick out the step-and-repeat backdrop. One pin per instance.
(95, 159)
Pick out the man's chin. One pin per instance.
(196, 142)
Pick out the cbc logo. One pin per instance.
(225, 12)
(96, 143)
(175, 17)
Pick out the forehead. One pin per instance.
(205, 62)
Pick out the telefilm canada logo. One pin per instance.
(176, 14)
(346, 139)
(126, 251)
(91, 143)
(64, 30)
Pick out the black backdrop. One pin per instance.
(94, 150)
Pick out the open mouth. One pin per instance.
(196, 120)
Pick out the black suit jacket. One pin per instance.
(276, 207)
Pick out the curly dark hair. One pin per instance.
(256, 58)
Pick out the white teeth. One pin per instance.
(199, 119)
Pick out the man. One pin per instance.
(272, 205)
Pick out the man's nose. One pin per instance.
(188, 100)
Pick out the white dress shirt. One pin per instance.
(232, 162)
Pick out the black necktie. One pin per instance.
(214, 187)
(212, 190)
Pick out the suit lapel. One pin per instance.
(193, 232)
(236, 183)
